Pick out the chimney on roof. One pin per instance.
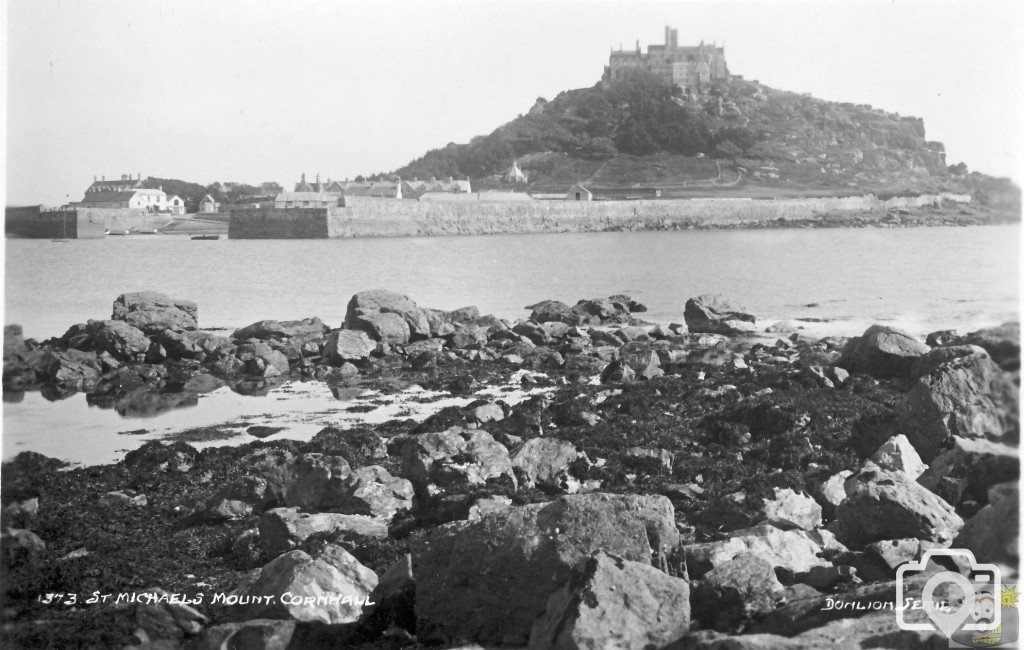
(303, 177)
(94, 178)
(124, 177)
(668, 36)
(318, 177)
(103, 178)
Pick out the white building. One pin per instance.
(126, 193)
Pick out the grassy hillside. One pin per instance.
(740, 138)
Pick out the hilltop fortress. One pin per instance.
(691, 67)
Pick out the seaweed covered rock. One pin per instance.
(712, 313)
(882, 352)
(486, 581)
(152, 312)
(609, 602)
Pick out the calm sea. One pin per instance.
(922, 279)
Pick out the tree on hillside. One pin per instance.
(270, 188)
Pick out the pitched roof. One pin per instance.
(303, 196)
(107, 197)
(207, 199)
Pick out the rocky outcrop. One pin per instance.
(791, 510)
(609, 602)
(487, 580)
(152, 312)
(882, 352)
(714, 314)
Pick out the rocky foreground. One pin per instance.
(701, 485)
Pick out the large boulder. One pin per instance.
(897, 455)
(373, 312)
(240, 498)
(455, 457)
(257, 634)
(330, 588)
(993, 533)
(117, 338)
(609, 602)
(71, 368)
(283, 529)
(348, 345)
(964, 395)
(883, 504)
(546, 462)
(553, 311)
(789, 509)
(735, 591)
(151, 311)
(794, 550)
(882, 352)
(307, 329)
(196, 345)
(1001, 342)
(967, 467)
(711, 313)
(305, 481)
(487, 580)
(370, 490)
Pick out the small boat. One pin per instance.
(146, 231)
(205, 237)
(119, 233)
(60, 240)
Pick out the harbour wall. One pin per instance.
(369, 217)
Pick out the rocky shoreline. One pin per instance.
(709, 484)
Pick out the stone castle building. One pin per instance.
(691, 67)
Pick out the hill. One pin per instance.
(741, 137)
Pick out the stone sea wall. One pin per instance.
(30, 222)
(365, 217)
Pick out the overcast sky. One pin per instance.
(205, 90)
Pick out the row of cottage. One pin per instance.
(129, 193)
(333, 193)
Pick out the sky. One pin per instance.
(264, 90)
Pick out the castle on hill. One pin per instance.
(691, 67)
